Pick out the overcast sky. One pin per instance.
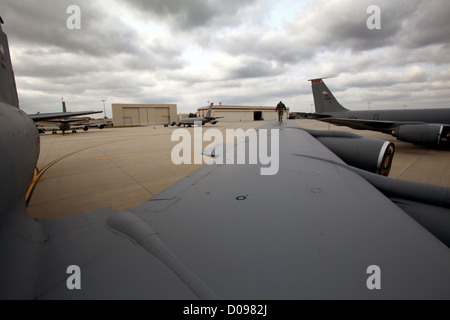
(238, 52)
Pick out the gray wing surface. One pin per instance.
(308, 232)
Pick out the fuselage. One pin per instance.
(441, 116)
(64, 126)
(20, 144)
(193, 120)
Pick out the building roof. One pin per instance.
(240, 108)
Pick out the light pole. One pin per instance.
(104, 109)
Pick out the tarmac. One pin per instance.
(123, 167)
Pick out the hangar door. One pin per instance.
(131, 116)
(161, 115)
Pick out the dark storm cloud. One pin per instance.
(185, 15)
(103, 33)
(325, 26)
(343, 24)
(44, 23)
(428, 25)
(252, 68)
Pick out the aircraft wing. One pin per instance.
(59, 115)
(311, 231)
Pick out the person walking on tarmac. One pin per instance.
(280, 109)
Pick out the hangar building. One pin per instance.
(242, 113)
(143, 114)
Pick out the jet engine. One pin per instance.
(423, 133)
(214, 122)
(85, 128)
(172, 123)
(368, 154)
(101, 126)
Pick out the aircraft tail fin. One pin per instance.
(8, 89)
(324, 100)
(63, 105)
(208, 115)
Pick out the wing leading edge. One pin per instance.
(310, 231)
(59, 115)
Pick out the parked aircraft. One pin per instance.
(65, 120)
(191, 121)
(419, 126)
(318, 229)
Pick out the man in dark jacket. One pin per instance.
(280, 109)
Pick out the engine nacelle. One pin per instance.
(423, 133)
(368, 154)
(172, 123)
(85, 128)
(178, 124)
(214, 122)
(101, 126)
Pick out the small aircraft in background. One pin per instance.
(65, 120)
(419, 126)
(191, 121)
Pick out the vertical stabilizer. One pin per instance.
(324, 100)
(63, 105)
(8, 90)
(208, 115)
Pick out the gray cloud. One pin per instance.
(189, 15)
(253, 68)
(45, 24)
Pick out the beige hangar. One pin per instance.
(242, 113)
(143, 114)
